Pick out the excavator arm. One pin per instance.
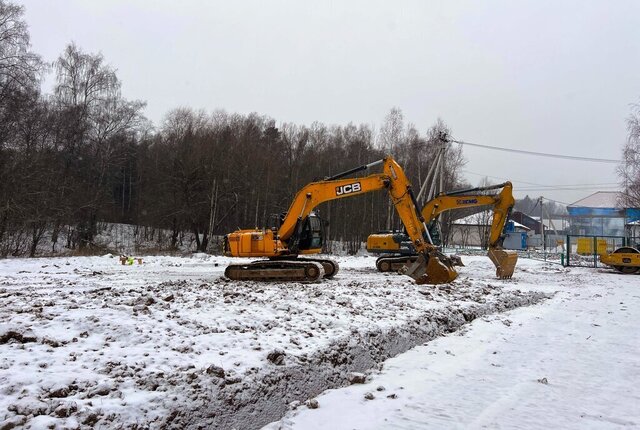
(502, 203)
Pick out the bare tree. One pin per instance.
(95, 127)
(83, 80)
(392, 131)
(21, 125)
(483, 218)
(19, 66)
(629, 170)
(391, 139)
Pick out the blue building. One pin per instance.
(601, 214)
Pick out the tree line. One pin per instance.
(84, 154)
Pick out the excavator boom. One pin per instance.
(502, 203)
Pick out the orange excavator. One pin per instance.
(299, 231)
(397, 251)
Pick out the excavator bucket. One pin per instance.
(434, 269)
(505, 262)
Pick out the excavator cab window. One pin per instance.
(275, 221)
(312, 233)
(434, 232)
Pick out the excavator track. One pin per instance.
(276, 270)
(330, 266)
(394, 263)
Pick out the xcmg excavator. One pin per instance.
(398, 251)
(299, 231)
(625, 259)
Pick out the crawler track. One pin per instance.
(290, 270)
(394, 263)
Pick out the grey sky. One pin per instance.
(549, 76)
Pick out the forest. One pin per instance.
(84, 154)
(81, 154)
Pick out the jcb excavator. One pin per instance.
(398, 251)
(300, 232)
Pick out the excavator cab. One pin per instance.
(275, 221)
(311, 236)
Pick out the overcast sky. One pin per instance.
(548, 76)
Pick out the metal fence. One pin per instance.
(566, 250)
(586, 250)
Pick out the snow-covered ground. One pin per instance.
(170, 343)
(572, 362)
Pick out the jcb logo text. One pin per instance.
(348, 189)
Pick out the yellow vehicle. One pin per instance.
(397, 251)
(625, 260)
(300, 232)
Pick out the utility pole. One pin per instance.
(443, 148)
(544, 244)
(443, 159)
(430, 178)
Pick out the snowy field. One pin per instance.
(571, 363)
(87, 342)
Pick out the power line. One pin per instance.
(608, 185)
(540, 154)
(556, 201)
(502, 179)
(602, 184)
(565, 203)
(607, 188)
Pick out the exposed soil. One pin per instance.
(265, 396)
